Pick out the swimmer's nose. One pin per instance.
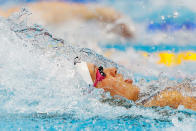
(113, 72)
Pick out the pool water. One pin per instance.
(41, 90)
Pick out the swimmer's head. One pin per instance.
(114, 83)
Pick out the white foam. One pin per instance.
(31, 81)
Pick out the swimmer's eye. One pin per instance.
(100, 69)
(103, 74)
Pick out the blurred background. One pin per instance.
(39, 90)
(158, 34)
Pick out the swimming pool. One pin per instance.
(40, 90)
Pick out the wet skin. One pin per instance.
(116, 85)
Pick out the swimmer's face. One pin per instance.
(115, 83)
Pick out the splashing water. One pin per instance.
(40, 88)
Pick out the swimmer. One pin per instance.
(56, 13)
(114, 83)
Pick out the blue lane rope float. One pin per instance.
(172, 26)
(150, 48)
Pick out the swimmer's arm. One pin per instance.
(62, 9)
(172, 98)
(59, 12)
